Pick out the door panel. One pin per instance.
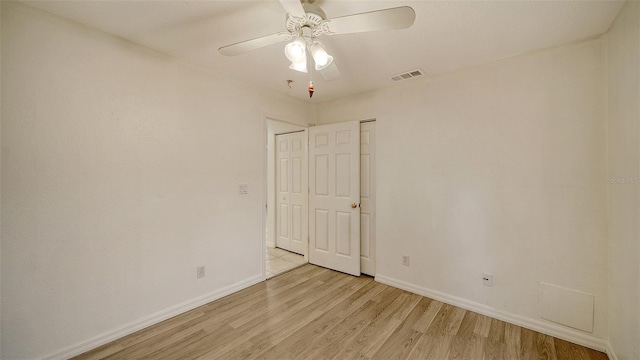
(367, 198)
(296, 219)
(321, 233)
(282, 192)
(334, 226)
(343, 233)
(322, 175)
(291, 192)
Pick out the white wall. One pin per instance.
(499, 168)
(623, 64)
(120, 174)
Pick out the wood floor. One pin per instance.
(315, 313)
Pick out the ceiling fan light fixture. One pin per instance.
(295, 51)
(320, 56)
(299, 65)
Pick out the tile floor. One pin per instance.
(279, 261)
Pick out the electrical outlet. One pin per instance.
(243, 189)
(200, 272)
(405, 260)
(487, 279)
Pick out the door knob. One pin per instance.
(354, 205)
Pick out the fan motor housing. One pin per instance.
(313, 10)
(314, 18)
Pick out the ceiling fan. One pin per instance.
(306, 21)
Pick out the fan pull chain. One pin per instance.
(311, 88)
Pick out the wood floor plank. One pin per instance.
(300, 340)
(467, 325)
(385, 311)
(494, 350)
(259, 330)
(545, 349)
(423, 347)
(316, 313)
(342, 333)
(495, 346)
(474, 348)
(483, 325)
(190, 317)
(512, 341)
(447, 321)
(101, 352)
(355, 348)
(161, 339)
(172, 349)
(563, 349)
(383, 327)
(441, 349)
(427, 318)
(466, 347)
(496, 331)
(527, 344)
(274, 302)
(320, 311)
(567, 351)
(400, 344)
(272, 287)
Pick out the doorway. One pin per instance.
(303, 223)
(286, 167)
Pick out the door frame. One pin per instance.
(268, 119)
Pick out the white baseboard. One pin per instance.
(271, 244)
(152, 319)
(610, 353)
(532, 324)
(551, 329)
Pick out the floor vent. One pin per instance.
(407, 75)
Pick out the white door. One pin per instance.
(291, 192)
(334, 196)
(367, 198)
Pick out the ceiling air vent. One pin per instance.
(407, 75)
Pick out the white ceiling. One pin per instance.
(447, 35)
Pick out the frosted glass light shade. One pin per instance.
(299, 66)
(295, 51)
(320, 56)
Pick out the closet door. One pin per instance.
(291, 192)
(334, 196)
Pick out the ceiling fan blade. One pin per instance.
(331, 72)
(245, 46)
(293, 7)
(388, 19)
